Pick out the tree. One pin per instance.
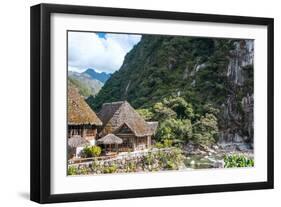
(147, 114)
(210, 109)
(205, 130)
(178, 104)
(161, 112)
(174, 129)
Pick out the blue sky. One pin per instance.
(104, 52)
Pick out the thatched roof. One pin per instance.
(77, 141)
(110, 139)
(153, 126)
(79, 112)
(116, 114)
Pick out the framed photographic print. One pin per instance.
(132, 103)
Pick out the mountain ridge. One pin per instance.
(86, 85)
(103, 77)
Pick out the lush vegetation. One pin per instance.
(71, 170)
(238, 161)
(91, 151)
(160, 66)
(179, 122)
(166, 143)
(180, 82)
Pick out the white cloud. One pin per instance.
(88, 50)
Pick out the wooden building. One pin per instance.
(82, 120)
(121, 119)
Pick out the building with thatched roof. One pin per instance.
(75, 145)
(121, 119)
(82, 120)
(109, 140)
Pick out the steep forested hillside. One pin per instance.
(212, 76)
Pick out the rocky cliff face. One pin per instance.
(242, 56)
(237, 111)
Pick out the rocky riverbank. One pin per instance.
(199, 157)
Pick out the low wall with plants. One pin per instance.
(172, 159)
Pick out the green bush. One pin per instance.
(149, 158)
(131, 167)
(171, 165)
(174, 129)
(110, 169)
(167, 143)
(71, 170)
(238, 161)
(91, 151)
(96, 165)
(171, 160)
(159, 145)
(83, 171)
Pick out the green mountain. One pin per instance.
(202, 71)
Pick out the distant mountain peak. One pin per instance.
(103, 77)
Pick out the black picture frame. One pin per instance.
(41, 99)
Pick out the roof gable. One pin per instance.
(124, 128)
(108, 110)
(115, 114)
(78, 111)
